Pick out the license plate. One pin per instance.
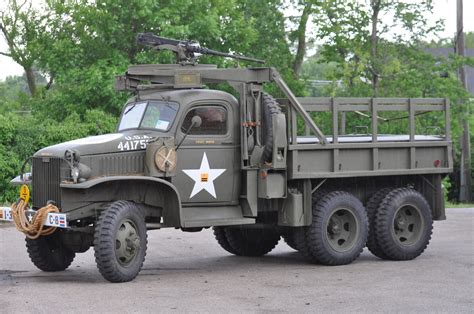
(52, 220)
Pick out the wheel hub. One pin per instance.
(342, 230)
(335, 226)
(407, 225)
(401, 221)
(127, 242)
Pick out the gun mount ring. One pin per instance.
(165, 158)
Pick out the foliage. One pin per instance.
(71, 50)
(376, 48)
(22, 135)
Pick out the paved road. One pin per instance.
(188, 272)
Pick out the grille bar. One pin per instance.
(46, 181)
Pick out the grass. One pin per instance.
(459, 205)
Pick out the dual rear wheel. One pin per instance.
(401, 224)
(397, 225)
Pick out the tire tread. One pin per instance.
(383, 224)
(318, 252)
(104, 251)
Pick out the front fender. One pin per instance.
(154, 192)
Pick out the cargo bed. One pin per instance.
(360, 155)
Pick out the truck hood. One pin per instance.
(101, 144)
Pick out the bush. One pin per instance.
(22, 136)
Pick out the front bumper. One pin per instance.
(58, 220)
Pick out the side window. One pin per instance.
(214, 121)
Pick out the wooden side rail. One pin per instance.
(412, 106)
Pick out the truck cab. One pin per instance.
(205, 167)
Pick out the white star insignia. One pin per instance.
(204, 177)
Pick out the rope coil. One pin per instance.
(36, 227)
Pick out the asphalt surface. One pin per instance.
(189, 272)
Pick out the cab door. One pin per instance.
(208, 164)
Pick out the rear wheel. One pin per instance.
(372, 207)
(297, 236)
(219, 234)
(251, 241)
(289, 238)
(339, 229)
(48, 253)
(403, 224)
(120, 242)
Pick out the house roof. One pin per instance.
(445, 52)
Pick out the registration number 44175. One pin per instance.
(132, 145)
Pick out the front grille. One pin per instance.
(115, 164)
(46, 180)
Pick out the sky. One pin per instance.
(443, 9)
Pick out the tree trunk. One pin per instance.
(30, 78)
(300, 52)
(373, 46)
(466, 176)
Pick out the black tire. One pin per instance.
(270, 108)
(219, 234)
(289, 238)
(297, 236)
(298, 240)
(48, 253)
(339, 229)
(372, 206)
(120, 242)
(251, 241)
(403, 224)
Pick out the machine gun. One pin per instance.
(185, 50)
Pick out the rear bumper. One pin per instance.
(58, 220)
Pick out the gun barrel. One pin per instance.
(154, 41)
(223, 54)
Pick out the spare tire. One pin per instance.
(270, 108)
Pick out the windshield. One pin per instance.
(148, 115)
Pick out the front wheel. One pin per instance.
(48, 253)
(120, 242)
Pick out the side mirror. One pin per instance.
(196, 122)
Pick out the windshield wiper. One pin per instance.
(130, 109)
(170, 107)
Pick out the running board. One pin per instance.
(214, 216)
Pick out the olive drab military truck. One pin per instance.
(254, 168)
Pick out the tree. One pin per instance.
(300, 35)
(22, 25)
(360, 35)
